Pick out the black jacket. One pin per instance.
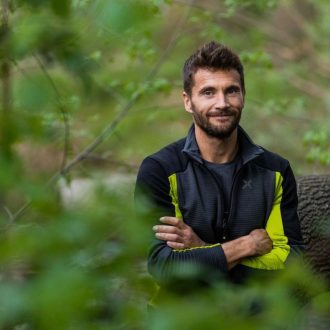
(263, 195)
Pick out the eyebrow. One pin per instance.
(212, 88)
(236, 86)
(205, 88)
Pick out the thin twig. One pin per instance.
(123, 113)
(108, 130)
(23, 72)
(10, 214)
(64, 113)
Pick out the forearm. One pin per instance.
(237, 250)
(183, 245)
(165, 263)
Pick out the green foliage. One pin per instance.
(120, 16)
(267, 303)
(256, 6)
(319, 148)
(257, 58)
(74, 69)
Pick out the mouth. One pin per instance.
(224, 116)
(220, 114)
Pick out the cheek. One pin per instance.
(240, 105)
(237, 102)
(203, 106)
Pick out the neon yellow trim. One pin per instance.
(174, 195)
(197, 247)
(275, 259)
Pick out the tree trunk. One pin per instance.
(314, 214)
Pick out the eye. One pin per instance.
(207, 92)
(233, 90)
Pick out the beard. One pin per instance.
(220, 131)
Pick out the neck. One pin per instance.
(216, 150)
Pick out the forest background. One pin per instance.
(88, 89)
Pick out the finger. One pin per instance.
(175, 245)
(169, 237)
(171, 221)
(166, 229)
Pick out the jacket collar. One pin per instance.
(248, 150)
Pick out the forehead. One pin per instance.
(217, 78)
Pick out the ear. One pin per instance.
(187, 102)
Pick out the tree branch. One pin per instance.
(63, 110)
(108, 130)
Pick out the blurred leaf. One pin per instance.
(63, 307)
(12, 301)
(61, 7)
(76, 258)
(35, 95)
(119, 16)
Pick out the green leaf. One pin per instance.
(120, 16)
(61, 7)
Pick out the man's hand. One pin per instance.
(177, 234)
(261, 243)
(256, 243)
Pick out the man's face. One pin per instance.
(216, 101)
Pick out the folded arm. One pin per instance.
(180, 237)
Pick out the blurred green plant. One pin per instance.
(73, 74)
(318, 145)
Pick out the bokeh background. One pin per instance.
(87, 90)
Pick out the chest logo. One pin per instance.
(247, 184)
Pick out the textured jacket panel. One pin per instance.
(201, 213)
(252, 200)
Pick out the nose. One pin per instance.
(221, 101)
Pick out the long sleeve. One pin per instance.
(282, 225)
(154, 199)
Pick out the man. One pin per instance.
(226, 205)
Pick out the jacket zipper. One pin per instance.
(231, 198)
(222, 198)
(227, 213)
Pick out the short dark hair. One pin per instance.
(213, 56)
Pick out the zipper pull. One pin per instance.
(224, 229)
(224, 234)
(225, 226)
